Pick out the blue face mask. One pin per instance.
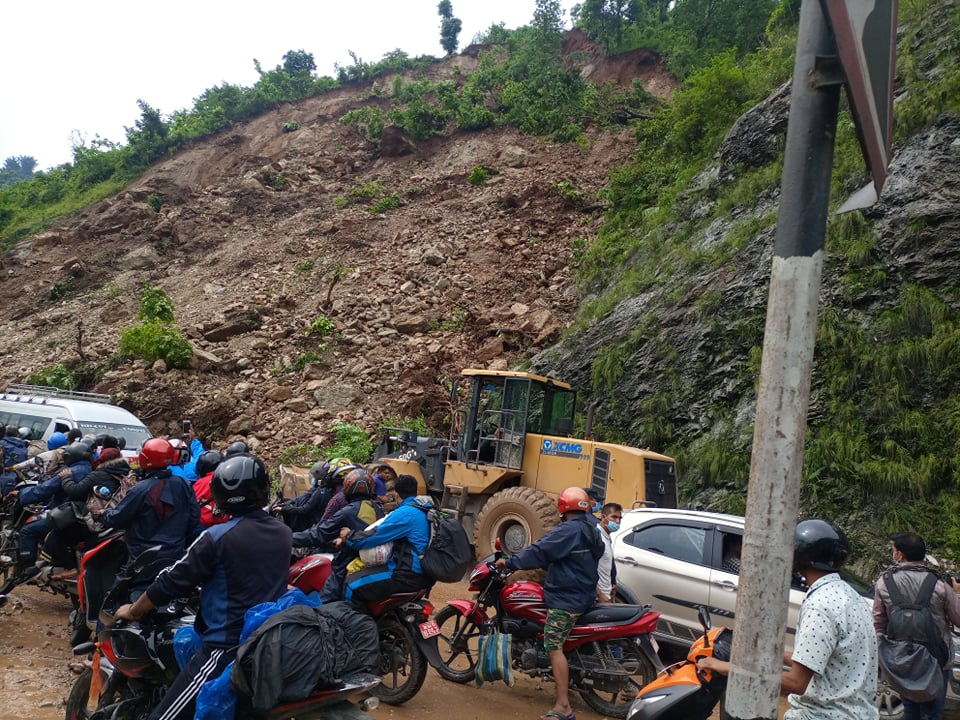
(613, 526)
(596, 508)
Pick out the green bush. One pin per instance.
(352, 442)
(389, 202)
(291, 126)
(322, 325)
(156, 202)
(155, 305)
(58, 376)
(478, 176)
(155, 340)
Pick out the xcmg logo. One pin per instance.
(563, 448)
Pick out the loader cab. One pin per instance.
(498, 409)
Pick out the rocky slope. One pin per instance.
(261, 232)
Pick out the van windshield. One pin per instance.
(135, 435)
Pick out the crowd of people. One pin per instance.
(212, 516)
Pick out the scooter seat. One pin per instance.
(612, 613)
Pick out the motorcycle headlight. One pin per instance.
(640, 703)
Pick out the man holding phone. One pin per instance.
(188, 471)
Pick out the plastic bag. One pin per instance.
(493, 658)
(216, 700)
(186, 642)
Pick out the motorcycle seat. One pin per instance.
(612, 613)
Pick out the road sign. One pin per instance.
(866, 35)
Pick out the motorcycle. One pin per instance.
(683, 691)
(14, 517)
(408, 637)
(133, 663)
(610, 650)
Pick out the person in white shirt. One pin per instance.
(610, 516)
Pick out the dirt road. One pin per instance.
(35, 678)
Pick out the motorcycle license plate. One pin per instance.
(429, 628)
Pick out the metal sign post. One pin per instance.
(863, 41)
(783, 396)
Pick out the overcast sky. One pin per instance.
(77, 67)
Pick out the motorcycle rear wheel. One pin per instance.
(616, 704)
(458, 643)
(402, 665)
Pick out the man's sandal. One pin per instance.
(557, 715)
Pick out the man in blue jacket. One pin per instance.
(161, 509)
(569, 553)
(13, 450)
(408, 528)
(237, 564)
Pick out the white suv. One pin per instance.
(46, 410)
(673, 561)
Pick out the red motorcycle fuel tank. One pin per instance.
(524, 599)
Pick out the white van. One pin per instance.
(46, 410)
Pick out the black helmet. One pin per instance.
(318, 472)
(208, 462)
(819, 544)
(235, 448)
(75, 452)
(240, 484)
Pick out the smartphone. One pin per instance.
(186, 426)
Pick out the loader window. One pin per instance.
(551, 410)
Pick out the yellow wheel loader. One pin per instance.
(510, 453)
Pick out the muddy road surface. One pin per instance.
(35, 674)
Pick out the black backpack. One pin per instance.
(912, 651)
(449, 554)
(914, 621)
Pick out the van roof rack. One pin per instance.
(41, 393)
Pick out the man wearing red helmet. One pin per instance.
(569, 553)
(161, 509)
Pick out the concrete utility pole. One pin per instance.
(783, 396)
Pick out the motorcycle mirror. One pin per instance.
(704, 616)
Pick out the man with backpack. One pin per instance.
(913, 610)
(408, 528)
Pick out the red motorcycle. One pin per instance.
(133, 663)
(408, 637)
(610, 651)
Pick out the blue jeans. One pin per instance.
(932, 710)
(31, 536)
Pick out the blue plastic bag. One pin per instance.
(216, 701)
(186, 642)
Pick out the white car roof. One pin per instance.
(643, 514)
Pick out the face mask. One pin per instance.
(613, 526)
(596, 508)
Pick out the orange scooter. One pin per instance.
(682, 691)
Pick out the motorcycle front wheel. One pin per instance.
(458, 643)
(403, 667)
(80, 706)
(613, 697)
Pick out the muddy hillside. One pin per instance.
(264, 233)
